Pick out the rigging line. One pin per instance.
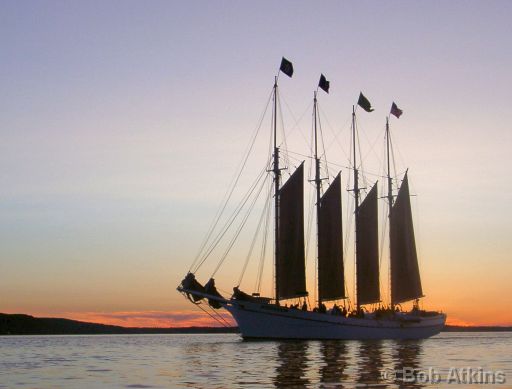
(253, 243)
(311, 218)
(239, 230)
(209, 314)
(360, 166)
(381, 249)
(400, 157)
(232, 185)
(378, 175)
(349, 220)
(263, 251)
(311, 203)
(296, 125)
(230, 221)
(323, 146)
(283, 132)
(301, 155)
(417, 229)
(232, 218)
(339, 166)
(294, 159)
(220, 316)
(384, 249)
(394, 162)
(273, 280)
(349, 167)
(354, 164)
(346, 125)
(270, 143)
(311, 199)
(372, 144)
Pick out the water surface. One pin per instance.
(225, 361)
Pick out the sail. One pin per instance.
(367, 250)
(331, 278)
(291, 272)
(405, 274)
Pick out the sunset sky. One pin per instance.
(122, 124)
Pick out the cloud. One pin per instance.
(453, 321)
(184, 318)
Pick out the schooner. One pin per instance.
(266, 317)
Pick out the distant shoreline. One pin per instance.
(20, 324)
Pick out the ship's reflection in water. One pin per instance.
(335, 359)
(407, 363)
(369, 363)
(292, 364)
(347, 364)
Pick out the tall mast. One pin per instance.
(390, 182)
(277, 176)
(390, 197)
(356, 183)
(318, 181)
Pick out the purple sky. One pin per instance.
(122, 122)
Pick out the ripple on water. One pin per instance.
(224, 361)
(99, 370)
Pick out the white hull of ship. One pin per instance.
(267, 321)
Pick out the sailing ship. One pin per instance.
(268, 318)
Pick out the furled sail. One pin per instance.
(405, 275)
(331, 278)
(367, 250)
(291, 272)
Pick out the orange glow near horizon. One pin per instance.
(155, 319)
(192, 318)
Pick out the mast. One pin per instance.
(356, 183)
(390, 182)
(318, 181)
(390, 199)
(331, 276)
(277, 176)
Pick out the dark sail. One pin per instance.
(291, 272)
(331, 278)
(405, 275)
(367, 250)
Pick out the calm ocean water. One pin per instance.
(449, 360)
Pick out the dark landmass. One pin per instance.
(19, 324)
(476, 329)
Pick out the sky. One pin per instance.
(122, 124)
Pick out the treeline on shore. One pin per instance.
(19, 324)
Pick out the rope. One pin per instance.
(230, 221)
(263, 250)
(233, 184)
(258, 228)
(244, 220)
(213, 317)
(323, 146)
(220, 316)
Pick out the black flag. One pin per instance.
(364, 103)
(286, 67)
(323, 83)
(396, 111)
